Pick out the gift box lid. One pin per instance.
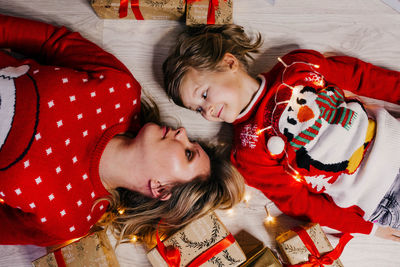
(93, 250)
(196, 238)
(294, 249)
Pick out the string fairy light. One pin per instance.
(246, 198)
(318, 79)
(262, 130)
(230, 212)
(1, 200)
(134, 239)
(121, 211)
(269, 218)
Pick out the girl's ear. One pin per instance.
(158, 190)
(230, 61)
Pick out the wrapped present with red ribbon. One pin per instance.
(204, 242)
(92, 250)
(308, 246)
(209, 12)
(139, 9)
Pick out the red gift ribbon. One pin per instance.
(172, 255)
(212, 6)
(315, 259)
(123, 9)
(59, 258)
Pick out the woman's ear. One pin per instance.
(158, 190)
(230, 61)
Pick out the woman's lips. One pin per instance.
(165, 131)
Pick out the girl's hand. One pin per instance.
(388, 233)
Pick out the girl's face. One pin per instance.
(168, 156)
(216, 95)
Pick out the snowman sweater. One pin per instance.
(57, 114)
(315, 153)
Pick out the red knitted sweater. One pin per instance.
(59, 108)
(308, 148)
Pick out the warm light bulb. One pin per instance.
(134, 239)
(230, 212)
(316, 66)
(269, 218)
(319, 83)
(297, 177)
(121, 211)
(1, 200)
(246, 197)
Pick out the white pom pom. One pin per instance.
(275, 145)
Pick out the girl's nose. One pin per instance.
(209, 110)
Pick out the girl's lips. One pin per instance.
(219, 113)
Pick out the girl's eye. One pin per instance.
(189, 154)
(204, 95)
(199, 110)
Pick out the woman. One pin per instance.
(66, 152)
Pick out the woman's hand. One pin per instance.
(388, 233)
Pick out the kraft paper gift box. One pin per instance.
(198, 239)
(209, 12)
(140, 9)
(296, 252)
(93, 250)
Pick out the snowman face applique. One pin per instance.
(300, 113)
(15, 112)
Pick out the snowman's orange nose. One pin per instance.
(305, 113)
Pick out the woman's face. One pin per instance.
(168, 156)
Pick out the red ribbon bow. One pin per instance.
(212, 6)
(315, 259)
(123, 9)
(172, 255)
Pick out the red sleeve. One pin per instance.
(55, 46)
(19, 228)
(294, 199)
(352, 74)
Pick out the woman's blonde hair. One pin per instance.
(132, 214)
(202, 48)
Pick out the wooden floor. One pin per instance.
(369, 30)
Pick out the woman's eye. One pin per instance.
(189, 154)
(204, 95)
(199, 110)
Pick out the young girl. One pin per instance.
(73, 149)
(315, 153)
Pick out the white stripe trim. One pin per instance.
(255, 98)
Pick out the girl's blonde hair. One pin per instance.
(132, 214)
(202, 48)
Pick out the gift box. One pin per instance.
(309, 244)
(209, 12)
(93, 250)
(139, 9)
(203, 242)
(264, 258)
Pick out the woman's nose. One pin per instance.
(181, 133)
